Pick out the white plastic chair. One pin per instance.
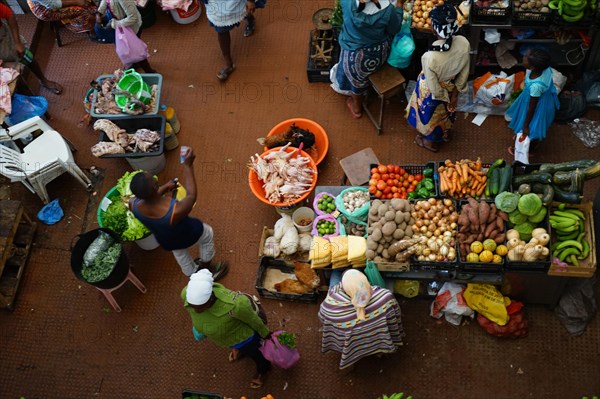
(43, 159)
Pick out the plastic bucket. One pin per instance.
(119, 272)
(133, 83)
(148, 243)
(187, 17)
(286, 210)
(153, 165)
(303, 213)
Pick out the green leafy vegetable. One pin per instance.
(516, 217)
(507, 201)
(123, 184)
(103, 264)
(135, 228)
(525, 230)
(530, 204)
(288, 339)
(115, 217)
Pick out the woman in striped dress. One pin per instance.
(359, 320)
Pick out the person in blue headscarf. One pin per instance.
(368, 28)
(431, 109)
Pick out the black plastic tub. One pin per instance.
(119, 272)
(267, 262)
(133, 123)
(191, 394)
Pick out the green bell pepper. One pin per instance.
(428, 172)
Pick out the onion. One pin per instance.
(423, 229)
(445, 212)
(453, 217)
(444, 250)
(453, 226)
(432, 227)
(426, 252)
(431, 213)
(437, 232)
(425, 205)
(433, 246)
(413, 214)
(432, 256)
(447, 202)
(429, 234)
(421, 258)
(432, 201)
(418, 223)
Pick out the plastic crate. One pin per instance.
(527, 18)
(540, 265)
(417, 169)
(478, 267)
(484, 167)
(288, 259)
(318, 74)
(490, 14)
(150, 78)
(133, 123)
(190, 394)
(271, 263)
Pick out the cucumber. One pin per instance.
(542, 177)
(505, 174)
(494, 181)
(577, 179)
(562, 178)
(546, 190)
(565, 196)
(567, 166)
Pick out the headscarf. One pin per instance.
(199, 289)
(371, 7)
(356, 285)
(443, 22)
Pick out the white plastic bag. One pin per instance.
(522, 149)
(451, 304)
(493, 90)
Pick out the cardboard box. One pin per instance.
(587, 267)
(289, 259)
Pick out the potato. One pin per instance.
(402, 226)
(382, 210)
(378, 259)
(399, 218)
(385, 254)
(408, 232)
(398, 234)
(390, 215)
(388, 239)
(380, 249)
(370, 254)
(407, 217)
(373, 210)
(376, 236)
(388, 228)
(372, 245)
(544, 9)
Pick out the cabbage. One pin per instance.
(507, 201)
(529, 204)
(525, 230)
(538, 217)
(516, 217)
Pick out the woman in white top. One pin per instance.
(431, 109)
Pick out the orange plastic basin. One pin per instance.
(256, 185)
(321, 140)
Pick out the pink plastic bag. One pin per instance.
(278, 354)
(130, 48)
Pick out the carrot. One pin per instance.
(443, 183)
(458, 172)
(455, 186)
(478, 165)
(465, 172)
(448, 163)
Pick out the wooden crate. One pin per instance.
(587, 267)
(289, 259)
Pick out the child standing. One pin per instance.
(533, 111)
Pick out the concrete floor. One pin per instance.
(63, 340)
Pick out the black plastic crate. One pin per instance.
(484, 166)
(321, 74)
(414, 170)
(490, 14)
(267, 262)
(478, 267)
(432, 265)
(541, 265)
(133, 123)
(526, 18)
(191, 394)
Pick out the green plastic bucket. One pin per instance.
(133, 83)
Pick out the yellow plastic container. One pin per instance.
(171, 141)
(171, 116)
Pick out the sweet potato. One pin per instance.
(473, 218)
(493, 212)
(480, 237)
(503, 216)
(489, 229)
(500, 238)
(494, 233)
(473, 203)
(500, 223)
(470, 239)
(484, 212)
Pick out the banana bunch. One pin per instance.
(397, 395)
(569, 225)
(573, 10)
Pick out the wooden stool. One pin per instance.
(386, 83)
(357, 167)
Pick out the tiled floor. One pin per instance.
(63, 341)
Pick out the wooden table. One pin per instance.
(16, 236)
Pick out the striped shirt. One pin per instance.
(381, 332)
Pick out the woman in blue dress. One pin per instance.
(533, 111)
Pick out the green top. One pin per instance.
(229, 321)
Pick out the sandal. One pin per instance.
(349, 103)
(54, 87)
(425, 144)
(235, 355)
(218, 271)
(224, 73)
(249, 30)
(257, 382)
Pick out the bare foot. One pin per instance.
(257, 381)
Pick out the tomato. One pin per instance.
(381, 185)
(406, 183)
(396, 169)
(373, 182)
(402, 190)
(376, 176)
(392, 175)
(372, 189)
(390, 168)
(396, 195)
(382, 169)
(414, 183)
(385, 176)
(419, 177)
(378, 194)
(395, 182)
(410, 189)
(401, 172)
(387, 190)
(394, 189)
(411, 178)
(404, 196)
(389, 182)
(389, 196)
(400, 179)
(374, 170)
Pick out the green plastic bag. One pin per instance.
(402, 47)
(358, 216)
(373, 275)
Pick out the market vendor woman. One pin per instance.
(228, 318)
(369, 26)
(432, 106)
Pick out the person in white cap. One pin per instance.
(228, 318)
